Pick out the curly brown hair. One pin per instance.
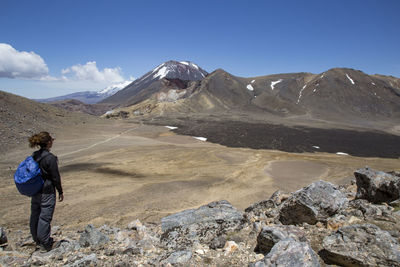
(41, 139)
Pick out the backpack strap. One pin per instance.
(42, 156)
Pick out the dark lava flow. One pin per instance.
(294, 139)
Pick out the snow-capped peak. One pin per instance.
(112, 89)
(184, 70)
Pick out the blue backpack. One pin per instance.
(28, 178)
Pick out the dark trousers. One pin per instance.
(42, 209)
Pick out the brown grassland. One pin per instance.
(116, 171)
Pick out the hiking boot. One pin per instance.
(52, 246)
(44, 249)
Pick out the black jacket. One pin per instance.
(49, 167)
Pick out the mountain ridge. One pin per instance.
(88, 97)
(332, 94)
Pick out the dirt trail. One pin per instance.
(117, 171)
(96, 144)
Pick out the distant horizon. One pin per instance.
(268, 74)
(65, 47)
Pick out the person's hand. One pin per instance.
(61, 197)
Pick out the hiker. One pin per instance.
(44, 202)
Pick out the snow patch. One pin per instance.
(342, 153)
(194, 65)
(301, 92)
(185, 63)
(314, 90)
(322, 76)
(159, 66)
(253, 81)
(350, 79)
(275, 82)
(373, 83)
(250, 87)
(171, 127)
(317, 147)
(200, 138)
(161, 73)
(109, 112)
(112, 89)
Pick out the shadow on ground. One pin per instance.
(99, 168)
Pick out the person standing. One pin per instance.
(44, 202)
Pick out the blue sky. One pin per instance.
(51, 48)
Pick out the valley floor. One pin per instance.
(116, 171)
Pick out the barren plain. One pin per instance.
(116, 171)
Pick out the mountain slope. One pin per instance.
(89, 97)
(78, 106)
(21, 117)
(339, 95)
(168, 75)
(348, 92)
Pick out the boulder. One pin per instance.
(200, 225)
(290, 253)
(270, 235)
(373, 211)
(311, 204)
(3, 237)
(92, 237)
(377, 186)
(361, 245)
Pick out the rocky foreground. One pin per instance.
(319, 225)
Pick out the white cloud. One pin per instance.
(16, 64)
(90, 72)
(21, 64)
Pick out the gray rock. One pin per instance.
(361, 245)
(200, 225)
(377, 186)
(13, 258)
(132, 250)
(179, 257)
(313, 203)
(217, 211)
(374, 211)
(218, 242)
(269, 236)
(279, 196)
(108, 230)
(395, 204)
(261, 207)
(3, 236)
(88, 260)
(92, 237)
(48, 257)
(289, 253)
(395, 173)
